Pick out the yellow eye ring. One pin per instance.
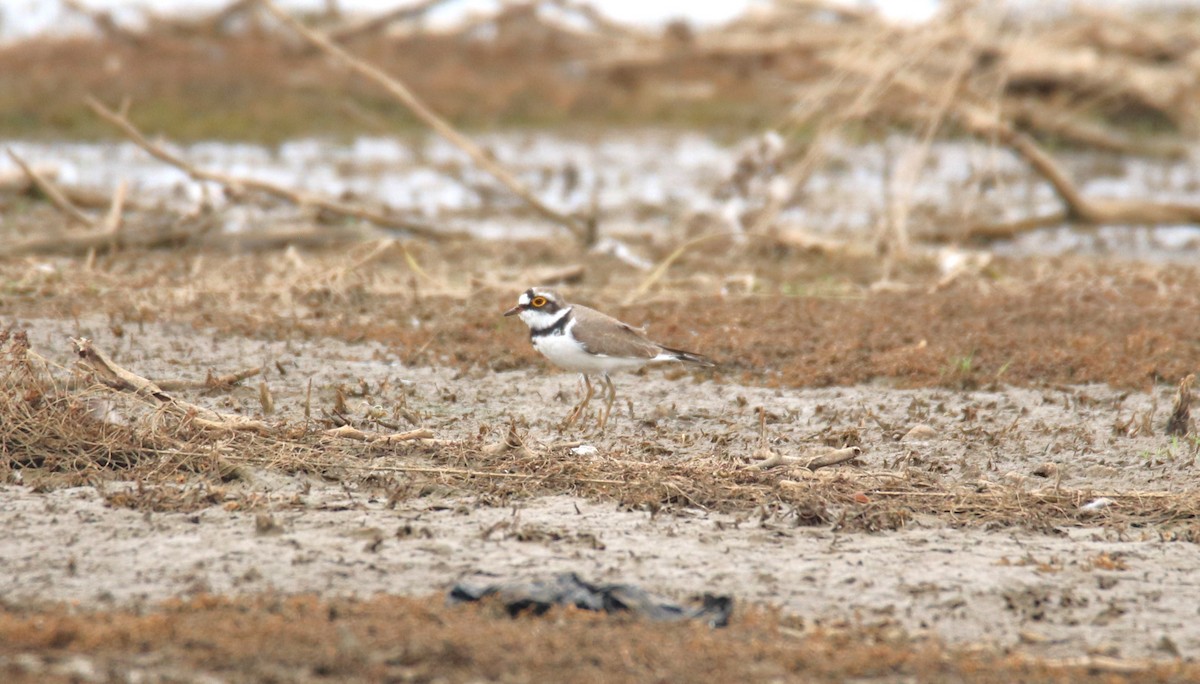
(538, 302)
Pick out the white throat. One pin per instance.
(540, 320)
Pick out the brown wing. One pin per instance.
(602, 334)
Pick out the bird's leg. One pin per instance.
(608, 402)
(579, 408)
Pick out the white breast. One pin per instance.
(564, 352)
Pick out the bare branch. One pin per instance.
(112, 222)
(104, 23)
(117, 378)
(1033, 114)
(443, 128)
(238, 185)
(383, 21)
(602, 24)
(987, 125)
(833, 457)
(212, 382)
(347, 432)
(100, 242)
(97, 242)
(1078, 209)
(56, 197)
(225, 16)
(988, 232)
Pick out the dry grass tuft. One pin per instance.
(57, 421)
(47, 423)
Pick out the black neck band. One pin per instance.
(555, 329)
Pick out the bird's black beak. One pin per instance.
(514, 311)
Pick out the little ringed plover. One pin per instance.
(577, 338)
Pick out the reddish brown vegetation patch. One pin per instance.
(1051, 333)
(1126, 326)
(393, 638)
(1128, 334)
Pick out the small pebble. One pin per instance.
(919, 432)
(1096, 505)
(1046, 469)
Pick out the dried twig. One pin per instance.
(348, 432)
(443, 128)
(117, 378)
(224, 17)
(104, 241)
(1180, 422)
(105, 23)
(835, 457)
(1097, 664)
(19, 182)
(97, 242)
(380, 22)
(116, 210)
(212, 382)
(904, 183)
(989, 125)
(237, 185)
(339, 272)
(463, 472)
(601, 23)
(883, 70)
(661, 269)
(1168, 89)
(56, 197)
(114, 376)
(1035, 115)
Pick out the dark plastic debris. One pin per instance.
(568, 590)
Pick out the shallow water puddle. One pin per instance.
(645, 181)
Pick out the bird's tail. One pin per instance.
(688, 357)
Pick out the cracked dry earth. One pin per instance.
(1087, 585)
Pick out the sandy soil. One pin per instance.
(1082, 583)
(1011, 510)
(1085, 591)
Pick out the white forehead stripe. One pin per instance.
(523, 299)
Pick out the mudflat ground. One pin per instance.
(256, 432)
(1015, 510)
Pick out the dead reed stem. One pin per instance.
(117, 378)
(430, 118)
(1180, 422)
(915, 98)
(238, 185)
(212, 382)
(56, 196)
(382, 21)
